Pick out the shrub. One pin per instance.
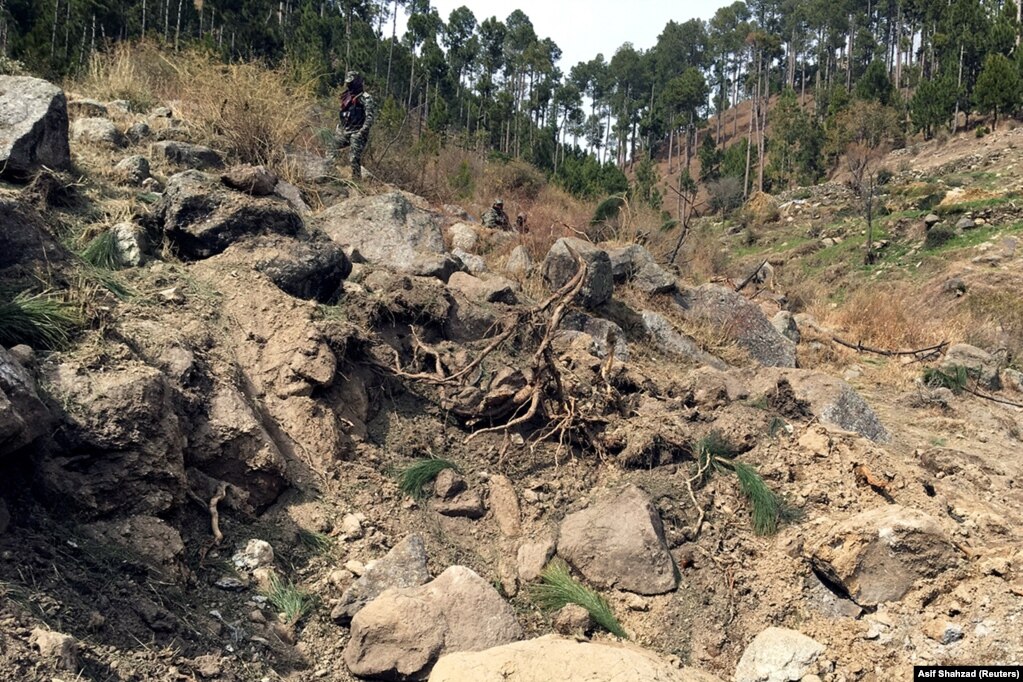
(725, 194)
(39, 320)
(939, 235)
(955, 379)
(289, 600)
(559, 588)
(981, 131)
(413, 479)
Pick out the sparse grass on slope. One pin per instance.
(559, 588)
(38, 320)
(413, 480)
(289, 600)
(102, 251)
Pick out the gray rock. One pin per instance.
(256, 554)
(627, 261)
(474, 264)
(311, 269)
(184, 154)
(259, 181)
(131, 244)
(87, 108)
(560, 266)
(293, 195)
(566, 660)
(785, 324)
(24, 418)
(28, 249)
(437, 265)
(161, 112)
(607, 336)
(137, 132)
(201, 218)
(1013, 379)
(878, 555)
(464, 237)
(448, 484)
(653, 279)
(965, 224)
(533, 556)
(519, 262)
(739, 319)
(980, 365)
(671, 342)
(619, 543)
(931, 219)
(778, 655)
(386, 229)
(99, 131)
(492, 290)
(404, 566)
(402, 633)
(133, 170)
(121, 106)
(33, 127)
(504, 503)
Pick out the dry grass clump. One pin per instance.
(890, 318)
(136, 72)
(994, 321)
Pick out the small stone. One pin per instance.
(96, 621)
(171, 295)
(572, 619)
(533, 556)
(965, 224)
(256, 616)
(467, 503)
(448, 484)
(637, 603)
(56, 648)
(232, 583)
(355, 567)
(505, 505)
(257, 554)
(931, 220)
(943, 632)
(351, 527)
(208, 666)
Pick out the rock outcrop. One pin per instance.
(33, 127)
(560, 266)
(403, 567)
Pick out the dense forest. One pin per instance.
(823, 74)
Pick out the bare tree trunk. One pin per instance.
(671, 142)
(955, 116)
(53, 40)
(166, 20)
(390, 53)
(144, 18)
(177, 29)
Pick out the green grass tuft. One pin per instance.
(39, 320)
(559, 588)
(315, 542)
(291, 602)
(102, 251)
(956, 379)
(768, 509)
(413, 479)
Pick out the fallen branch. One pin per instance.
(1000, 401)
(860, 348)
(751, 276)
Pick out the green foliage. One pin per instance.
(293, 603)
(463, 181)
(932, 105)
(794, 149)
(646, 181)
(102, 251)
(725, 194)
(875, 85)
(316, 542)
(608, 210)
(559, 588)
(38, 320)
(938, 235)
(955, 378)
(413, 480)
(998, 86)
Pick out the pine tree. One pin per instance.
(997, 89)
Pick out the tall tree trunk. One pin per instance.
(959, 85)
(390, 52)
(177, 30)
(166, 20)
(53, 40)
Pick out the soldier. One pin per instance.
(357, 113)
(495, 216)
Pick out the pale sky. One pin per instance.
(582, 28)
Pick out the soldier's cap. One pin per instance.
(352, 76)
(498, 202)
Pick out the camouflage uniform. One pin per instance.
(495, 217)
(353, 131)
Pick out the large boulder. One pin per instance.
(120, 447)
(670, 342)
(132, 170)
(386, 229)
(619, 543)
(259, 181)
(519, 262)
(193, 156)
(560, 266)
(311, 269)
(980, 365)
(566, 660)
(404, 566)
(201, 218)
(628, 260)
(608, 337)
(229, 443)
(23, 416)
(33, 127)
(403, 632)
(778, 655)
(493, 289)
(878, 555)
(738, 319)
